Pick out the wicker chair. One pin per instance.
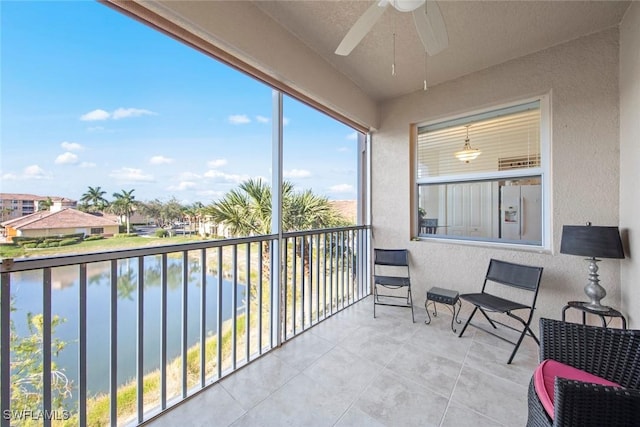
(613, 354)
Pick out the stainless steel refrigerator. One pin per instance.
(521, 213)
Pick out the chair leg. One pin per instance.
(525, 329)
(411, 302)
(517, 346)
(375, 298)
(464, 328)
(488, 318)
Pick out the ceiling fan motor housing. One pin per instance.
(406, 5)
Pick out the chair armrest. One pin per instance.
(613, 354)
(583, 404)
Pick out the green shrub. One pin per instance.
(29, 245)
(48, 241)
(67, 242)
(72, 236)
(93, 237)
(124, 235)
(24, 239)
(23, 243)
(161, 233)
(53, 244)
(41, 245)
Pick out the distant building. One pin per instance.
(16, 205)
(60, 203)
(347, 208)
(59, 222)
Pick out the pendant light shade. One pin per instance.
(467, 153)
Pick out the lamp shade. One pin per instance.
(591, 241)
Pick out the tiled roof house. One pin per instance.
(64, 221)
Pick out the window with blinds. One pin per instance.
(506, 139)
(484, 177)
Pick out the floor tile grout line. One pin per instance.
(462, 366)
(455, 384)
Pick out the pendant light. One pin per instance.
(467, 153)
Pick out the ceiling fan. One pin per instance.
(426, 15)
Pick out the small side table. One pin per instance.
(444, 296)
(584, 307)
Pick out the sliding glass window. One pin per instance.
(483, 176)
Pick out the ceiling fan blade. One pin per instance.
(431, 27)
(361, 28)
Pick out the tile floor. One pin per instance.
(354, 370)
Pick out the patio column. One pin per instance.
(276, 217)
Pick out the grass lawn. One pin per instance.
(108, 244)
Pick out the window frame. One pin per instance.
(543, 171)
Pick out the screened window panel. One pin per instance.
(507, 141)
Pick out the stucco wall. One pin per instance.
(582, 78)
(629, 159)
(109, 230)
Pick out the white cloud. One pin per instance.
(87, 165)
(30, 172)
(239, 119)
(34, 172)
(341, 188)
(216, 163)
(285, 121)
(225, 177)
(262, 119)
(189, 176)
(352, 136)
(131, 174)
(123, 113)
(95, 115)
(120, 113)
(95, 128)
(72, 146)
(67, 158)
(343, 149)
(213, 194)
(160, 160)
(297, 173)
(184, 185)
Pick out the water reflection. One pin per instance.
(27, 291)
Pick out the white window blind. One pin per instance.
(507, 139)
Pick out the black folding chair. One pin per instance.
(391, 271)
(507, 274)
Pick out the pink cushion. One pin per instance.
(545, 375)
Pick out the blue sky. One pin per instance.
(89, 97)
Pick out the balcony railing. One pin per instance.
(139, 330)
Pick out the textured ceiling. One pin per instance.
(481, 34)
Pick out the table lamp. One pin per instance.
(593, 242)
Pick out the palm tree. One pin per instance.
(93, 200)
(123, 204)
(5, 212)
(246, 211)
(45, 205)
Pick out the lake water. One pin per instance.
(26, 289)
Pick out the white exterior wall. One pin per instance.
(582, 79)
(629, 159)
